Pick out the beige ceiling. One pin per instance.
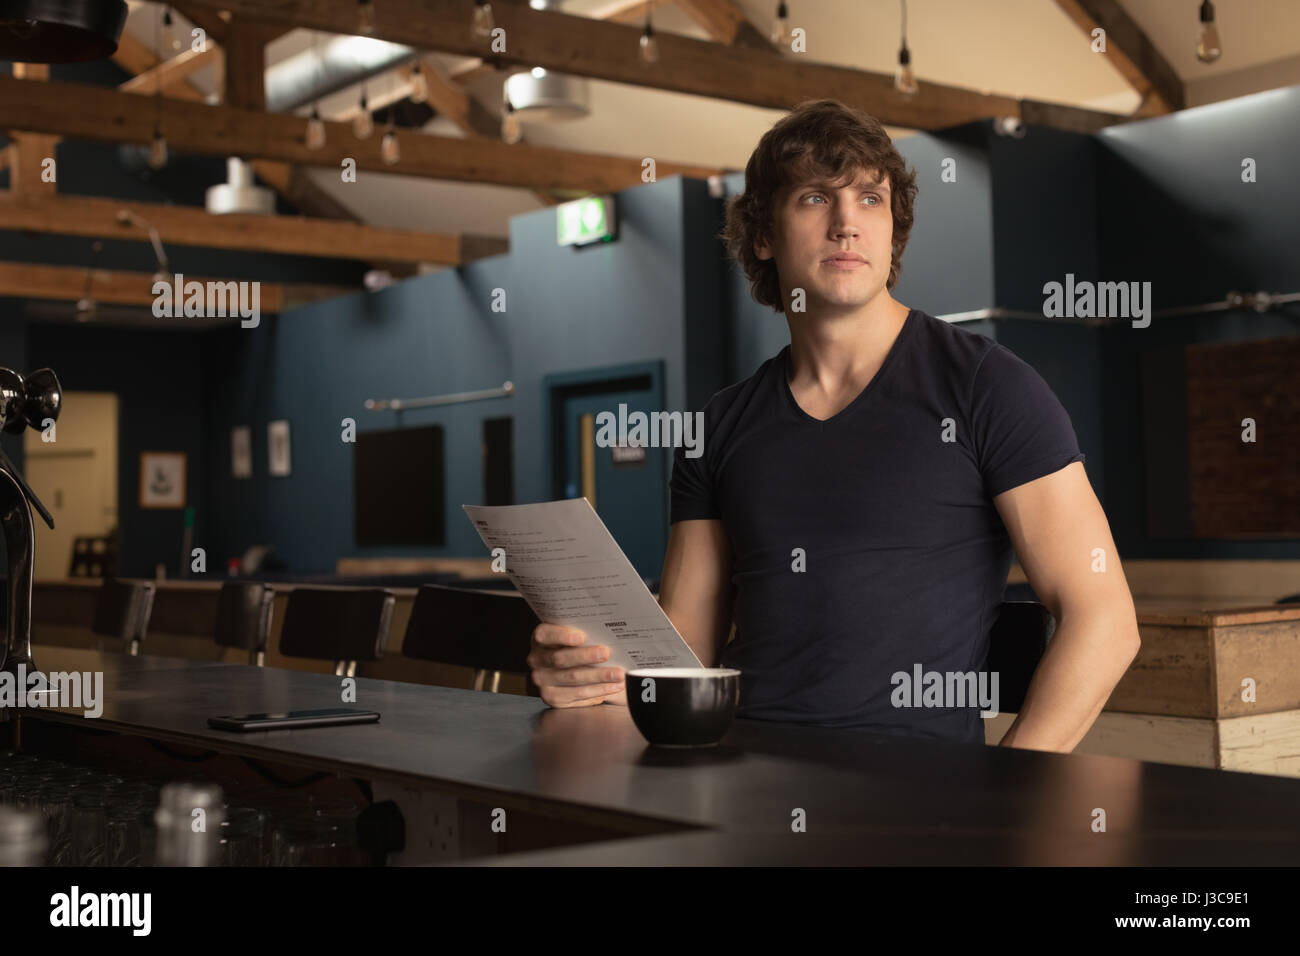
(1013, 47)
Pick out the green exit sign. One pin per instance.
(584, 221)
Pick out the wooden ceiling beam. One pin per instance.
(69, 283)
(726, 22)
(191, 226)
(169, 74)
(29, 151)
(133, 56)
(244, 79)
(583, 46)
(106, 115)
(457, 104)
(214, 22)
(1131, 52)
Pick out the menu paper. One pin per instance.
(571, 571)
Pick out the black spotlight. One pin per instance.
(60, 31)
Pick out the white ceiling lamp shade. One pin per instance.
(546, 97)
(239, 194)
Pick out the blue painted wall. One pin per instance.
(1172, 210)
(566, 310)
(315, 367)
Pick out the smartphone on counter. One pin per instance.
(292, 719)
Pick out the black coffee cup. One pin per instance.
(683, 706)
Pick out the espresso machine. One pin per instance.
(33, 402)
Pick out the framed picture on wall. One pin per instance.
(241, 451)
(162, 479)
(277, 440)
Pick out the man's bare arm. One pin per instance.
(695, 590)
(1063, 540)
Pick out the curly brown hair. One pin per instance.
(818, 139)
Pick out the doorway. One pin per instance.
(75, 476)
(627, 487)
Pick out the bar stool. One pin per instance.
(244, 618)
(1016, 645)
(343, 625)
(490, 631)
(122, 610)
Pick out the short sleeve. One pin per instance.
(691, 489)
(1021, 430)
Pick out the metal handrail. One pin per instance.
(1259, 301)
(398, 404)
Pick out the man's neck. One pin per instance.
(830, 354)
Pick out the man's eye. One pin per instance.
(820, 196)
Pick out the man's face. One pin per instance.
(814, 222)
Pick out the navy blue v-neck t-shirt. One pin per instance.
(902, 556)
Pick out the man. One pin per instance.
(858, 498)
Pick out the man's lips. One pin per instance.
(847, 261)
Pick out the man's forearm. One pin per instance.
(1085, 659)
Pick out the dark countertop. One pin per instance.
(866, 797)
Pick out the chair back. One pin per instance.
(122, 610)
(342, 624)
(485, 630)
(1016, 644)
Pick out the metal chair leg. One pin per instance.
(496, 681)
(352, 669)
(479, 674)
(338, 668)
(261, 659)
(133, 649)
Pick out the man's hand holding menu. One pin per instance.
(599, 619)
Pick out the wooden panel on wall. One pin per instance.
(1239, 488)
(1171, 675)
(1268, 654)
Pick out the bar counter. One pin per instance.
(866, 798)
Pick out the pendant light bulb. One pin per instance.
(1208, 48)
(170, 40)
(780, 35)
(904, 78)
(315, 130)
(363, 125)
(419, 85)
(366, 16)
(157, 150)
(482, 23)
(649, 45)
(389, 151)
(510, 129)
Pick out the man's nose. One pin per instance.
(845, 221)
